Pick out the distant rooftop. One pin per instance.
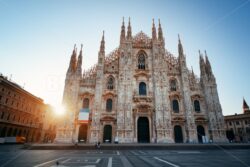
(17, 86)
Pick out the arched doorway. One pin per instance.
(178, 137)
(107, 134)
(83, 133)
(200, 133)
(143, 130)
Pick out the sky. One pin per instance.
(37, 38)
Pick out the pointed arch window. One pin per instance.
(110, 83)
(197, 107)
(173, 85)
(109, 104)
(142, 89)
(141, 61)
(85, 104)
(175, 106)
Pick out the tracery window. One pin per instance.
(142, 89)
(85, 103)
(173, 85)
(175, 106)
(109, 105)
(141, 61)
(110, 83)
(197, 107)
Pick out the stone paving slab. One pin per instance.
(136, 146)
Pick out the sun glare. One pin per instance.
(59, 110)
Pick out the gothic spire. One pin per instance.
(79, 61)
(182, 58)
(180, 48)
(129, 32)
(122, 36)
(202, 64)
(208, 65)
(160, 34)
(73, 61)
(154, 37)
(102, 47)
(245, 106)
(192, 72)
(101, 54)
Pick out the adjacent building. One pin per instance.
(141, 93)
(21, 113)
(238, 125)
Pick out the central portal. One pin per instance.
(143, 130)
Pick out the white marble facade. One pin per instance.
(142, 93)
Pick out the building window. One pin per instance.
(230, 123)
(142, 89)
(15, 132)
(2, 115)
(8, 117)
(85, 103)
(141, 61)
(173, 85)
(237, 122)
(240, 131)
(247, 130)
(175, 106)
(109, 104)
(0, 98)
(6, 101)
(110, 83)
(3, 132)
(9, 134)
(197, 107)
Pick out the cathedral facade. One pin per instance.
(141, 93)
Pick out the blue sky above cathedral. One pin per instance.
(37, 38)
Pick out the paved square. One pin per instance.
(123, 158)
